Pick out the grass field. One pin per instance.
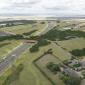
(30, 74)
(66, 23)
(77, 43)
(17, 29)
(20, 29)
(7, 46)
(42, 63)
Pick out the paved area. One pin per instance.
(4, 63)
(50, 26)
(4, 34)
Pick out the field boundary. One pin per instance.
(34, 62)
(42, 71)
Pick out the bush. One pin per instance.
(40, 43)
(42, 22)
(78, 52)
(34, 48)
(71, 80)
(43, 42)
(10, 37)
(53, 67)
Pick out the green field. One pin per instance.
(20, 29)
(7, 46)
(30, 74)
(42, 63)
(72, 44)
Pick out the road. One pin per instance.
(4, 34)
(13, 56)
(50, 26)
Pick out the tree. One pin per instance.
(71, 80)
(58, 21)
(7, 25)
(42, 22)
(34, 48)
(53, 67)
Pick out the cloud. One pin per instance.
(26, 2)
(53, 7)
(56, 8)
(23, 4)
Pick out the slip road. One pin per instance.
(13, 56)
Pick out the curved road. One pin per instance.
(6, 62)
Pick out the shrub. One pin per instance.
(53, 67)
(71, 80)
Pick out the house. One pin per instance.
(82, 62)
(70, 72)
(73, 62)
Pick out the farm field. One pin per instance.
(23, 71)
(20, 29)
(35, 76)
(77, 43)
(42, 62)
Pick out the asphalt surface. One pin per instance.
(4, 63)
(50, 26)
(4, 34)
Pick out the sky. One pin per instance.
(43, 7)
